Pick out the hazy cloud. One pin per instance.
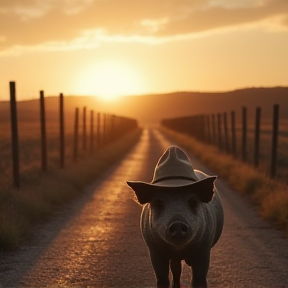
(36, 22)
(221, 17)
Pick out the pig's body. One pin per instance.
(196, 252)
(182, 218)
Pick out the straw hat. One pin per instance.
(173, 171)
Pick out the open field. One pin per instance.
(30, 148)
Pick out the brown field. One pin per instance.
(30, 148)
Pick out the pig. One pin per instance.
(182, 218)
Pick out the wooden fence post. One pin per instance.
(208, 129)
(104, 131)
(14, 132)
(233, 134)
(214, 140)
(203, 128)
(98, 130)
(257, 137)
(113, 130)
(43, 133)
(62, 146)
(274, 141)
(91, 130)
(219, 130)
(227, 146)
(108, 128)
(76, 125)
(84, 130)
(244, 134)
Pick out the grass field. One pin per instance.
(30, 146)
(42, 193)
(265, 145)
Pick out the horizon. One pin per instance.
(109, 48)
(118, 98)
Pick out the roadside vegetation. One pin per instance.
(42, 194)
(268, 195)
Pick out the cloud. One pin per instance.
(217, 17)
(42, 22)
(27, 9)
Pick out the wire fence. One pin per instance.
(260, 142)
(43, 138)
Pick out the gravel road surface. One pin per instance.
(96, 241)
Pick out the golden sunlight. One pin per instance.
(109, 80)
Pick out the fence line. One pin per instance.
(217, 133)
(108, 129)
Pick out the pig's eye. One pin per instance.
(158, 203)
(192, 202)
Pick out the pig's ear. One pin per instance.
(204, 189)
(142, 191)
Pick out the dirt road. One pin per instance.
(96, 241)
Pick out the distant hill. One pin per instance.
(152, 108)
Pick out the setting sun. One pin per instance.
(109, 80)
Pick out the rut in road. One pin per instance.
(97, 241)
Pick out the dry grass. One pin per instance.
(41, 193)
(265, 146)
(270, 196)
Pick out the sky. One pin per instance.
(109, 48)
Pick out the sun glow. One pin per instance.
(109, 80)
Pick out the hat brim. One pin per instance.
(172, 184)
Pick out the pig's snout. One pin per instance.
(178, 231)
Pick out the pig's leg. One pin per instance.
(161, 269)
(200, 266)
(176, 269)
